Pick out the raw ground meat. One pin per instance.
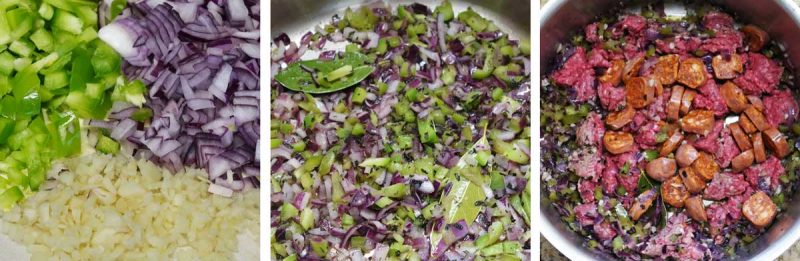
(717, 20)
(586, 213)
(578, 74)
(647, 135)
(591, 131)
(613, 165)
(780, 108)
(681, 44)
(725, 41)
(612, 98)
(591, 33)
(604, 231)
(710, 98)
(724, 213)
(724, 185)
(761, 74)
(727, 149)
(710, 142)
(675, 240)
(609, 180)
(765, 176)
(586, 163)
(632, 23)
(586, 190)
(599, 58)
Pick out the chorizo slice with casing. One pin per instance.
(695, 209)
(776, 141)
(759, 209)
(686, 155)
(686, 101)
(661, 169)
(742, 141)
(613, 74)
(705, 166)
(641, 204)
(755, 37)
(742, 161)
(631, 69)
(698, 121)
(674, 103)
(759, 153)
(666, 69)
(618, 142)
(674, 192)
(694, 183)
(747, 125)
(639, 92)
(671, 144)
(757, 118)
(756, 101)
(692, 73)
(727, 67)
(734, 97)
(617, 120)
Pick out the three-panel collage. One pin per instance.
(421, 130)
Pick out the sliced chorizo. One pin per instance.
(639, 93)
(742, 161)
(618, 142)
(755, 37)
(671, 144)
(686, 101)
(674, 192)
(698, 121)
(734, 97)
(661, 168)
(727, 67)
(686, 155)
(757, 118)
(742, 141)
(692, 73)
(705, 166)
(613, 74)
(694, 183)
(776, 141)
(641, 204)
(756, 101)
(759, 153)
(666, 69)
(674, 104)
(747, 125)
(695, 209)
(632, 67)
(759, 209)
(617, 120)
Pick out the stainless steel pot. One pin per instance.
(781, 18)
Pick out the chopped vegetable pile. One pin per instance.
(53, 71)
(119, 208)
(412, 143)
(670, 137)
(199, 61)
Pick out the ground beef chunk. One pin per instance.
(710, 142)
(634, 47)
(586, 190)
(586, 214)
(634, 24)
(676, 240)
(727, 149)
(724, 185)
(598, 58)
(725, 213)
(610, 181)
(578, 74)
(765, 176)
(591, 33)
(646, 137)
(710, 98)
(780, 108)
(614, 164)
(586, 163)
(681, 44)
(761, 74)
(715, 20)
(604, 231)
(611, 97)
(591, 131)
(724, 41)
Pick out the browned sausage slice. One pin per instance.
(638, 93)
(674, 104)
(618, 142)
(759, 153)
(776, 141)
(674, 192)
(666, 69)
(757, 118)
(740, 137)
(671, 144)
(686, 101)
(661, 168)
(698, 121)
(734, 97)
(755, 101)
(613, 74)
(695, 209)
(755, 37)
(632, 67)
(686, 155)
(747, 125)
(692, 73)
(617, 120)
(641, 204)
(759, 209)
(742, 161)
(705, 166)
(694, 183)
(726, 66)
